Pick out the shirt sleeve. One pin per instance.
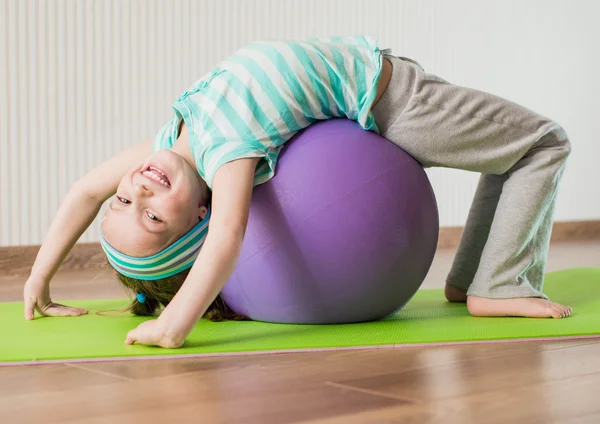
(220, 153)
(167, 135)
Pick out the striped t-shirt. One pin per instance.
(263, 94)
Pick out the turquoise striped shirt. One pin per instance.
(263, 94)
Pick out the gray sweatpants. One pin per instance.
(520, 154)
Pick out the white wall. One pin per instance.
(82, 79)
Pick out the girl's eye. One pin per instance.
(123, 200)
(152, 216)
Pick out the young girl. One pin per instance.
(224, 138)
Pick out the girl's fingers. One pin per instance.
(131, 338)
(52, 309)
(29, 307)
(79, 311)
(56, 310)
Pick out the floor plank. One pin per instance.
(470, 375)
(217, 397)
(33, 380)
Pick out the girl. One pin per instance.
(224, 138)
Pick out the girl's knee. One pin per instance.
(554, 139)
(564, 145)
(562, 138)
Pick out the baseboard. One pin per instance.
(16, 261)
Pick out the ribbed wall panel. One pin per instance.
(82, 79)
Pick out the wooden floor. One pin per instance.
(549, 382)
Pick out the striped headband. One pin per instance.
(176, 258)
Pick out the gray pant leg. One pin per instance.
(476, 231)
(514, 257)
(522, 154)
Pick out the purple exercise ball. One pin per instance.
(345, 232)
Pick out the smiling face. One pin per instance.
(155, 204)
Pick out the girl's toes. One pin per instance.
(556, 311)
(563, 310)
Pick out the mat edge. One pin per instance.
(289, 351)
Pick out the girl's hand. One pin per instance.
(36, 295)
(153, 333)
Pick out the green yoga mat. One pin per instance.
(427, 319)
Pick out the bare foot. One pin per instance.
(531, 307)
(454, 295)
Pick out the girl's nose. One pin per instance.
(142, 190)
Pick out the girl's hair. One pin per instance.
(160, 292)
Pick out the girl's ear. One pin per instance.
(202, 211)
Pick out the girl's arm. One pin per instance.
(232, 191)
(74, 216)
